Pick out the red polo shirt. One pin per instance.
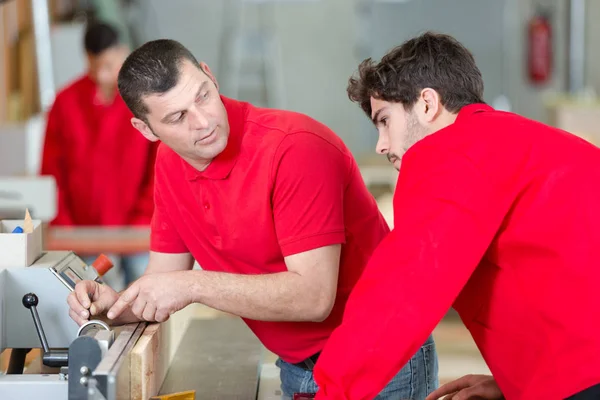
(102, 165)
(497, 215)
(285, 184)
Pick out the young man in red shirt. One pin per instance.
(270, 203)
(102, 167)
(494, 214)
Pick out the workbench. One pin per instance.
(199, 349)
(95, 240)
(219, 359)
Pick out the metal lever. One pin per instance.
(50, 358)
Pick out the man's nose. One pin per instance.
(198, 119)
(383, 145)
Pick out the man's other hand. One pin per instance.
(90, 299)
(468, 387)
(154, 297)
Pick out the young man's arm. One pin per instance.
(309, 218)
(446, 215)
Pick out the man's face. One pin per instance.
(190, 118)
(398, 129)
(104, 67)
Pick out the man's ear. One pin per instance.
(144, 129)
(209, 73)
(428, 107)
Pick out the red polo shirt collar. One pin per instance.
(221, 166)
(472, 109)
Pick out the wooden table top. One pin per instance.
(95, 240)
(219, 359)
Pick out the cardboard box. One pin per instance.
(579, 117)
(19, 249)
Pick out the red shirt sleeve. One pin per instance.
(144, 207)
(310, 177)
(446, 215)
(55, 162)
(163, 234)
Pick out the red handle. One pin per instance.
(102, 264)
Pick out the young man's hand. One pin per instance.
(468, 387)
(90, 299)
(154, 297)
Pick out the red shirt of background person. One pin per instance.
(103, 168)
(494, 214)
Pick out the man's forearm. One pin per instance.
(283, 296)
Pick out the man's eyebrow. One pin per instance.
(171, 114)
(376, 116)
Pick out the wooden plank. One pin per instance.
(176, 327)
(28, 77)
(33, 361)
(4, 64)
(9, 33)
(149, 362)
(24, 14)
(95, 240)
(154, 351)
(219, 359)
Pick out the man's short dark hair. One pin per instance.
(100, 36)
(431, 60)
(153, 68)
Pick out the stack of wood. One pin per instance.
(19, 94)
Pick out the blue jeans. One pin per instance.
(415, 381)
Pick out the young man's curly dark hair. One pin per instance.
(431, 60)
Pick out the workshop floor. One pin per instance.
(457, 354)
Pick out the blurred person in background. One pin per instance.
(102, 166)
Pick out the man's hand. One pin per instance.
(90, 298)
(469, 387)
(154, 297)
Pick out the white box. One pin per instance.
(19, 249)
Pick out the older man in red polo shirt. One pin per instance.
(270, 203)
(494, 214)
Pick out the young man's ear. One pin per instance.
(428, 106)
(209, 73)
(144, 129)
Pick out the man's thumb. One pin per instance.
(101, 305)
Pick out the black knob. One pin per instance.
(30, 299)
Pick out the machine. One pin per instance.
(87, 362)
(216, 358)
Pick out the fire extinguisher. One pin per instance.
(540, 48)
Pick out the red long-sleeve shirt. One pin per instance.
(104, 168)
(498, 216)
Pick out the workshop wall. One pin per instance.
(319, 43)
(320, 46)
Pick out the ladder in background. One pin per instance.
(251, 68)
